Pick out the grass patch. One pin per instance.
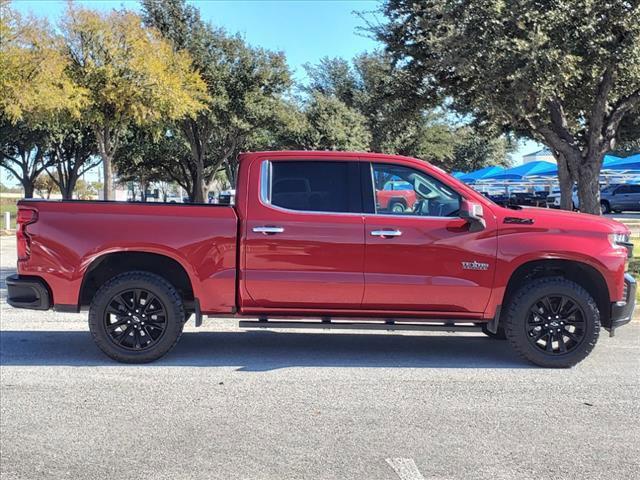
(8, 205)
(634, 263)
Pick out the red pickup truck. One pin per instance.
(306, 241)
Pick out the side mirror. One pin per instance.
(473, 213)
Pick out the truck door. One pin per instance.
(425, 258)
(304, 244)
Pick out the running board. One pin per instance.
(423, 327)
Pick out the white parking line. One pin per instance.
(406, 468)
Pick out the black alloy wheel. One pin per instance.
(556, 324)
(552, 322)
(135, 319)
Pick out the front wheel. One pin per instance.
(136, 317)
(398, 207)
(605, 208)
(552, 322)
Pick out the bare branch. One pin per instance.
(599, 111)
(623, 106)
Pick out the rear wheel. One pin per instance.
(136, 317)
(552, 322)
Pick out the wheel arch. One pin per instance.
(585, 275)
(111, 264)
(401, 200)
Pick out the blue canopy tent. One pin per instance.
(631, 163)
(480, 174)
(522, 171)
(458, 174)
(608, 161)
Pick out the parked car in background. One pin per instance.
(396, 196)
(526, 199)
(553, 199)
(618, 198)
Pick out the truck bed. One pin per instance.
(70, 237)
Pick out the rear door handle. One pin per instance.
(268, 230)
(386, 233)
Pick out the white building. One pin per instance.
(545, 155)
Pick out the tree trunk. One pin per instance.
(198, 194)
(566, 182)
(28, 188)
(107, 188)
(67, 190)
(588, 185)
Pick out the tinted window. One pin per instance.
(634, 188)
(313, 186)
(418, 193)
(622, 189)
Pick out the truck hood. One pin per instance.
(563, 220)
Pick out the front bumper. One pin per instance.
(622, 312)
(28, 292)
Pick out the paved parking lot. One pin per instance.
(231, 404)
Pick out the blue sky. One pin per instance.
(305, 30)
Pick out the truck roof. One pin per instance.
(311, 154)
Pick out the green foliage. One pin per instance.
(565, 73)
(376, 88)
(34, 83)
(22, 152)
(133, 76)
(244, 85)
(45, 185)
(329, 124)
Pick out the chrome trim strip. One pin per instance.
(386, 233)
(268, 230)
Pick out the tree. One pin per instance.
(629, 135)
(22, 153)
(35, 91)
(473, 151)
(138, 158)
(157, 154)
(329, 124)
(45, 185)
(71, 153)
(244, 86)
(565, 74)
(133, 77)
(373, 86)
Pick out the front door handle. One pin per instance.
(268, 230)
(386, 233)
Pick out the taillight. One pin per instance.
(26, 216)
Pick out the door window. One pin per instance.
(312, 186)
(400, 190)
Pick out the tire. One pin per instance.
(525, 322)
(397, 207)
(136, 317)
(499, 335)
(605, 207)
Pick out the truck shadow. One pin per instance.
(257, 351)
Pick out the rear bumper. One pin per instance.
(622, 312)
(28, 292)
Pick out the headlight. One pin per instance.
(621, 240)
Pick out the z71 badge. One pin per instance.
(475, 266)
